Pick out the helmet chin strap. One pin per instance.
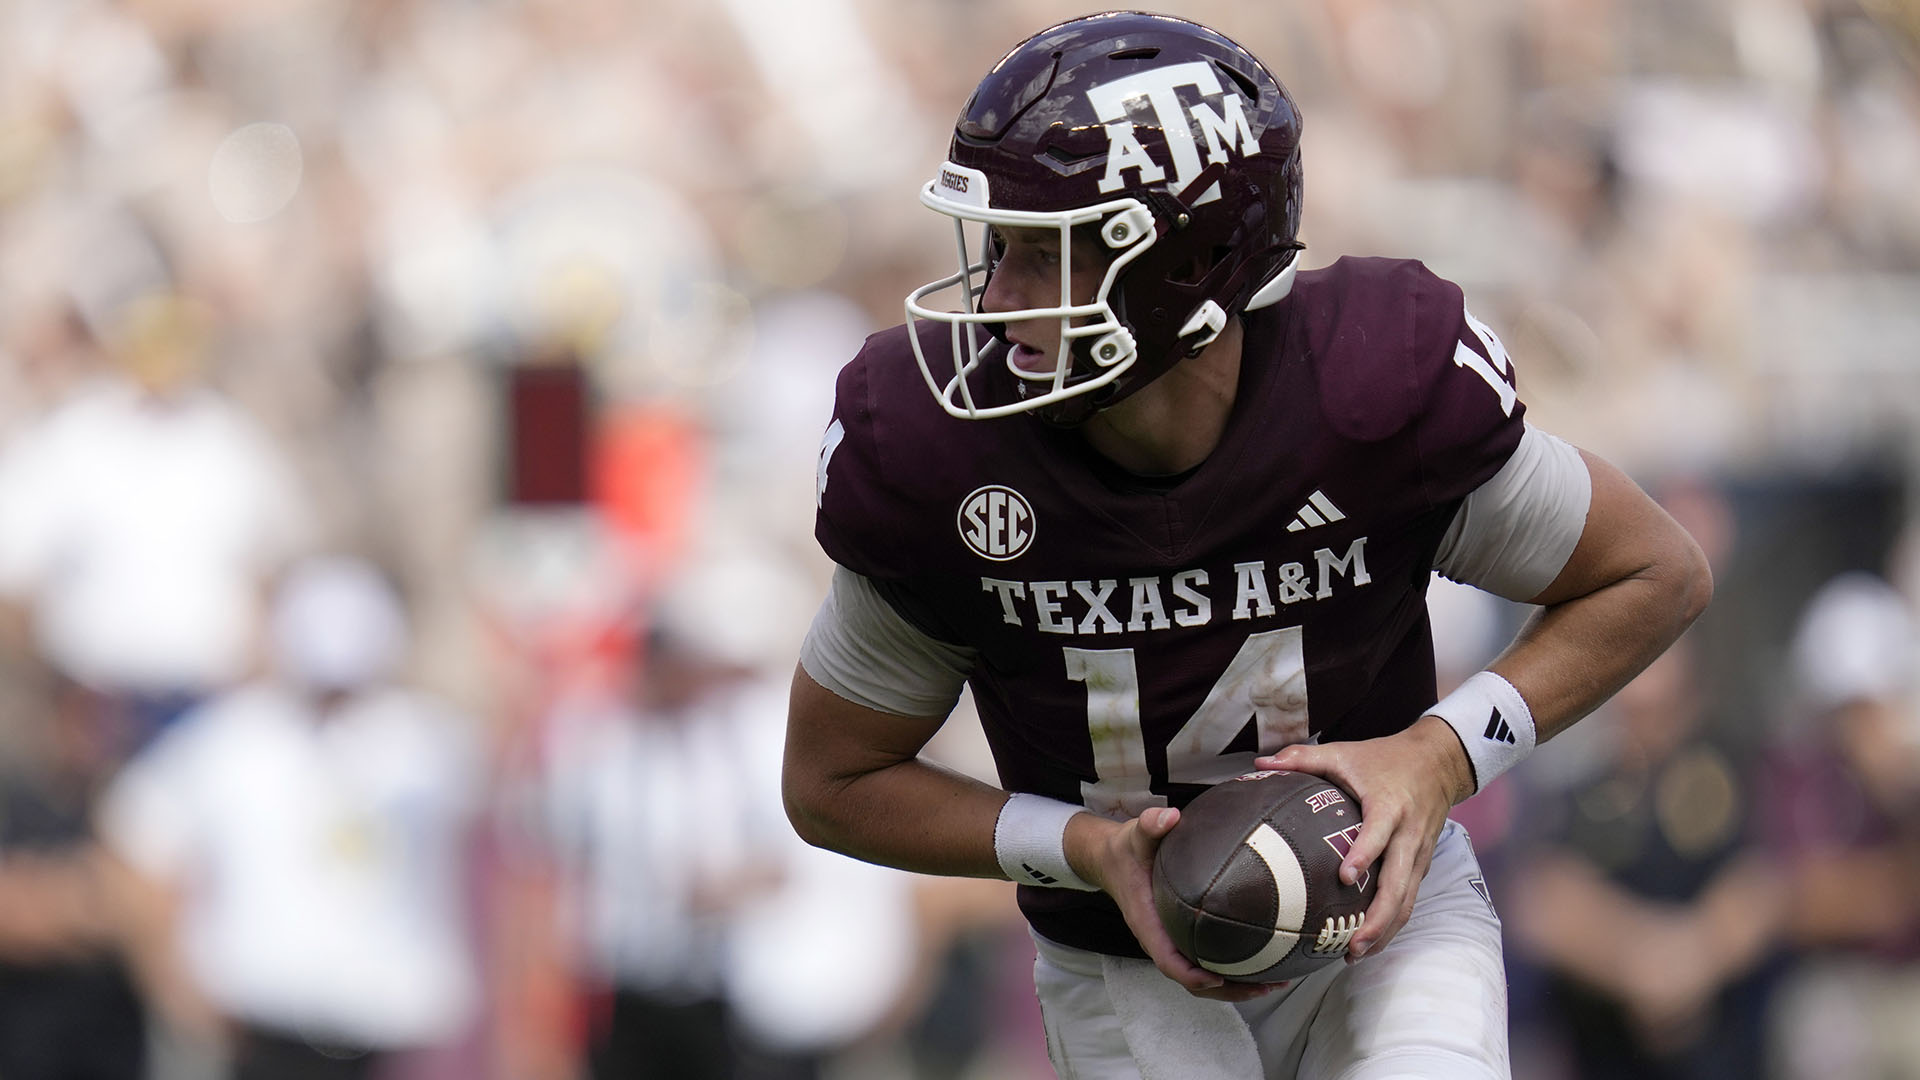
(1209, 319)
(1208, 322)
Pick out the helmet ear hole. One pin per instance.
(1200, 266)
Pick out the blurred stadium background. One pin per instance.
(436, 385)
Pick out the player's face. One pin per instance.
(1026, 275)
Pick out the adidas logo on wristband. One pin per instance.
(1508, 735)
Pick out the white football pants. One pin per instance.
(1432, 1005)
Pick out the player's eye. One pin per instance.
(1028, 257)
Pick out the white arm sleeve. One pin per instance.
(860, 648)
(1515, 533)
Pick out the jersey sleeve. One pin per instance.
(1514, 534)
(1403, 367)
(860, 516)
(1468, 418)
(875, 512)
(861, 648)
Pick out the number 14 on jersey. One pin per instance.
(1265, 685)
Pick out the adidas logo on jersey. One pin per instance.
(1497, 728)
(1318, 511)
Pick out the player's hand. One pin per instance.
(1406, 784)
(1118, 857)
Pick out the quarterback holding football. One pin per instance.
(1169, 505)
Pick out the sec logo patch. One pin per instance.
(996, 522)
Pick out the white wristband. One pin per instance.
(1493, 723)
(1030, 840)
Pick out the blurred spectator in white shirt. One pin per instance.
(297, 847)
(141, 513)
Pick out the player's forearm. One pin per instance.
(1575, 654)
(1633, 584)
(912, 815)
(854, 782)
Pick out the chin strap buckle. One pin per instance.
(1208, 320)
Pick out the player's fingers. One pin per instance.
(1393, 903)
(1388, 898)
(1195, 980)
(1136, 907)
(1386, 904)
(1422, 860)
(1238, 992)
(1298, 757)
(1377, 827)
(1153, 938)
(1203, 983)
(1158, 821)
(1149, 829)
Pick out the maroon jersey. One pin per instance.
(1139, 640)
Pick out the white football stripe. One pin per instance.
(1312, 519)
(1291, 880)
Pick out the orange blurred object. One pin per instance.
(649, 468)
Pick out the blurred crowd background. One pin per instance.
(408, 419)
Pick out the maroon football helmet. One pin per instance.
(1177, 146)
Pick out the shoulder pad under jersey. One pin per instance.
(1398, 355)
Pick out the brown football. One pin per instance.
(1248, 883)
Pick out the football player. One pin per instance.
(1170, 509)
